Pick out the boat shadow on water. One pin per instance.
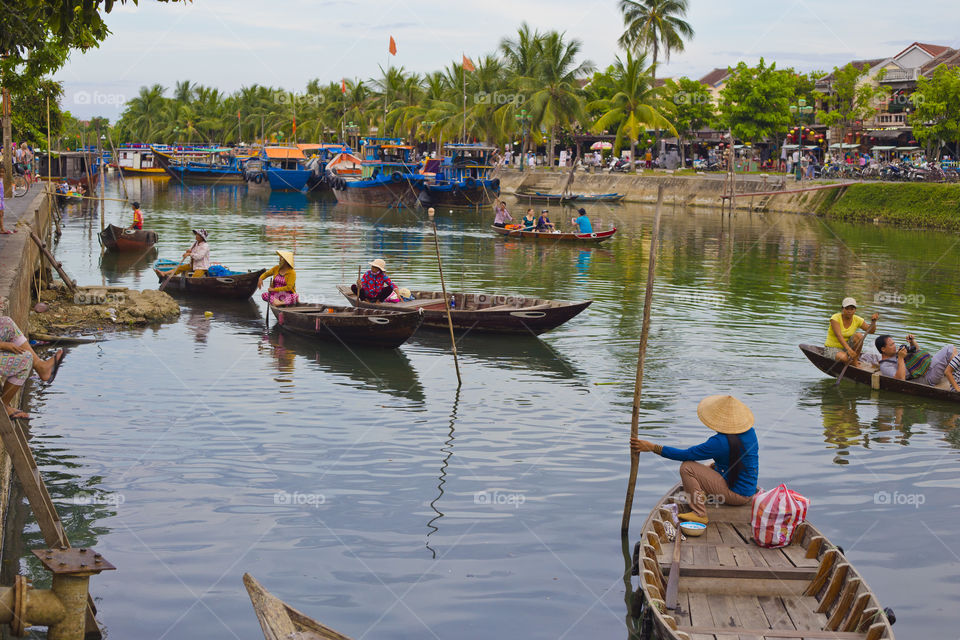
(385, 370)
(858, 416)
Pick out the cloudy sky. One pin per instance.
(285, 43)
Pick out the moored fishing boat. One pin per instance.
(600, 197)
(115, 238)
(727, 587)
(233, 284)
(216, 165)
(138, 160)
(461, 178)
(484, 312)
(280, 621)
(388, 328)
(547, 236)
(545, 198)
(866, 374)
(388, 176)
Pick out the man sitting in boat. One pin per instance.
(732, 478)
(137, 217)
(375, 285)
(543, 222)
(283, 288)
(905, 362)
(199, 255)
(843, 341)
(502, 216)
(583, 222)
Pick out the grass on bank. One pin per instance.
(914, 205)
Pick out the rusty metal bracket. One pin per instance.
(73, 561)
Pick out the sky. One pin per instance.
(284, 43)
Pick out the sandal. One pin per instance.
(6, 232)
(58, 359)
(19, 415)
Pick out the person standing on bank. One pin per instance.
(732, 478)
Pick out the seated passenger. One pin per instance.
(528, 221)
(17, 361)
(843, 341)
(543, 222)
(375, 285)
(199, 255)
(583, 222)
(283, 288)
(910, 362)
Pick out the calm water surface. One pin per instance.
(365, 490)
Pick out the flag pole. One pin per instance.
(463, 72)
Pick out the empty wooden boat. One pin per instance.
(869, 375)
(729, 587)
(484, 312)
(387, 328)
(280, 621)
(115, 238)
(548, 236)
(234, 285)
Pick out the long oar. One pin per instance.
(446, 304)
(844, 370)
(174, 271)
(673, 580)
(638, 384)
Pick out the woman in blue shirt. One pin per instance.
(732, 478)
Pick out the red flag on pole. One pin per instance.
(468, 64)
(294, 126)
(343, 85)
(393, 46)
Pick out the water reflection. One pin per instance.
(117, 267)
(447, 449)
(386, 370)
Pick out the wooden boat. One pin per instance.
(484, 312)
(280, 621)
(601, 197)
(597, 236)
(388, 175)
(729, 587)
(138, 160)
(546, 198)
(235, 285)
(388, 328)
(461, 178)
(866, 374)
(115, 238)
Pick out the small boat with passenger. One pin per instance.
(512, 231)
(388, 328)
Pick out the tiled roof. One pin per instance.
(950, 58)
(932, 49)
(859, 64)
(715, 77)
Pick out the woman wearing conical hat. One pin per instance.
(282, 290)
(732, 478)
(375, 285)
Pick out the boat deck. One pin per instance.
(731, 589)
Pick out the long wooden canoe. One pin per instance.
(729, 587)
(484, 312)
(280, 621)
(866, 374)
(237, 286)
(388, 328)
(115, 238)
(547, 236)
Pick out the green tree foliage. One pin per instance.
(692, 109)
(850, 99)
(936, 116)
(656, 26)
(755, 101)
(635, 108)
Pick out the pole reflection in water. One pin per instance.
(448, 449)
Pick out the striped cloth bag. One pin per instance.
(776, 514)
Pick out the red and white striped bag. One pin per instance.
(776, 514)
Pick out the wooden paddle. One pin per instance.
(164, 284)
(673, 581)
(844, 370)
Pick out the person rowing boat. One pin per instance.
(283, 288)
(375, 285)
(843, 341)
(732, 478)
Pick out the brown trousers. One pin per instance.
(704, 485)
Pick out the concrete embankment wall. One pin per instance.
(19, 259)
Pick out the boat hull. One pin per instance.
(287, 179)
(367, 327)
(280, 621)
(484, 313)
(154, 171)
(239, 286)
(475, 193)
(199, 175)
(596, 237)
(121, 240)
(733, 588)
(856, 374)
(379, 193)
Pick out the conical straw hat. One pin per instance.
(287, 256)
(725, 414)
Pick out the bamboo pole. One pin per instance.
(446, 303)
(638, 384)
(116, 158)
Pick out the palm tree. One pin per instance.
(143, 116)
(634, 108)
(655, 25)
(555, 96)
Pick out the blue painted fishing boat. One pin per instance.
(301, 167)
(461, 178)
(387, 176)
(215, 165)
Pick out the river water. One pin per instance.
(366, 491)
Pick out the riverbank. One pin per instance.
(935, 206)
